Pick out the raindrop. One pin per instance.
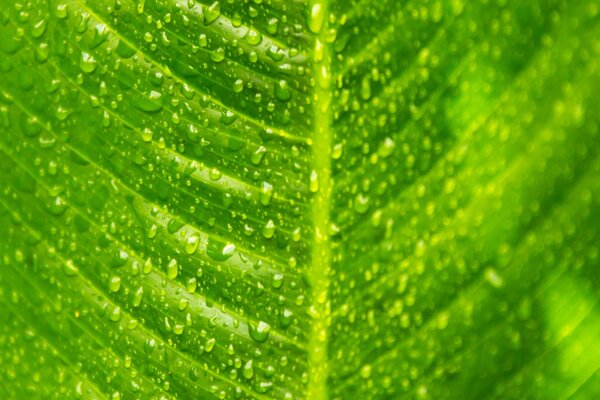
(87, 63)
(259, 332)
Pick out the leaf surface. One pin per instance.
(276, 199)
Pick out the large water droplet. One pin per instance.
(259, 332)
(87, 63)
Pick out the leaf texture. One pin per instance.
(299, 199)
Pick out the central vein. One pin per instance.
(321, 185)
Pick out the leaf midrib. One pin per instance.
(319, 272)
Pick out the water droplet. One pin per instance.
(365, 371)
(238, 86)
(147, 266)
(285, 318)
(337, 151)
(365, 87)
(191, 285)
(69, 268)
(269, 229)
(272, 26)
(217, 55)
(212, 13)
(361, 203)
(282, 90)
(114, 284)
(178, 329)
(258, 155)
(248, 370)
(316, 17)
(386, 148)
(61, 11)
(277, 281)
(266, 193)
(218, 253)
(214, 174)
(314, 181)
(151, 102)
(172, 269)
(30, 125)
(493, 278)
(192, 244)
(137, 297)
(58, 206)
(228, 117)
(151, 234)
(259, 332)
(39, 28)
(253, 37)
(115, 314)
(119, 259)
(87, 63)
(210, 345)
(183, 304)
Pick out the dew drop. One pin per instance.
(87, 63)
(248, 370)
(212, 13)
(269, 229)
(314, 181)
(259, 332)
(258, 155)
(192, 244)
(150, 103)
(282, 90)
(266, 193)
(172, 269)
(70, 269)
(253, 37)
(114, 284)
(39, 28)
(316, 17)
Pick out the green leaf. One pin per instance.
(306, 199)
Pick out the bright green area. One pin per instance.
(300, 199)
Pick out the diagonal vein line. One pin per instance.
(391, 87)
(60, 354)
(497, 327)
(528, 367)
(88, 331)
(470, 286)
(245, 185)
(480, 122)
(278, 131)
(245, 250)
(430, 102)
(270, 40)
(133, 253)
(582, 384)
(370, 48)
(149, 331)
